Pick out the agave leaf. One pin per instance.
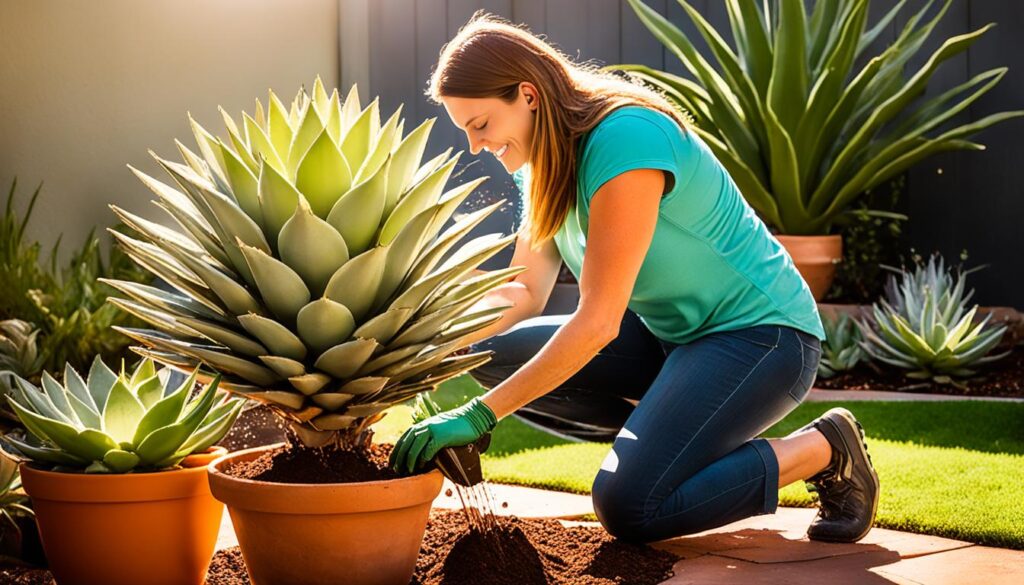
(310, 383)
(207, 144)
(281, 288)
(364, 386)
(384, 326)
(324, 323)
(331, 401)
(355, 284)
(384, 360)
(356, 144)
(262, 146)
(324, 175)
(357, 214)
(351, 109)
(276, 337)
(381, 149)
(120, 461)
(278, 200)
(208, 434)
(235, 298)
(244, 185)
(163, 442)
(122, 413)
(100, 381)
(310, 131)
(46, 454)
(285, 367)
(333, 117)
(166, 301)
(451, 236)
(224, 336)
(341, 361)
(422, 196)
(280, 129)
(54, 401)
(312, 248)
(291, 400)
(149, 391)
(332, 422)
(405, 161)
(166, 411)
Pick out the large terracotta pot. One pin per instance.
(366, 533)
(816, 258)
(155, 528)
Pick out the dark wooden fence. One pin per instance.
(956, 201)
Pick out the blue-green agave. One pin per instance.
(841, 350)
(109, 423)
(923, 325)
(802, 115)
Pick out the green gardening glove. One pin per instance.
(454, 428)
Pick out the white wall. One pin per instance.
(87, 87)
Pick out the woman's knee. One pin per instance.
(619, 508)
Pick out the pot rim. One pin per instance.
(167, 484)
(318, 498)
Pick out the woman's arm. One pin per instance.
(528, 292)
(623, 214)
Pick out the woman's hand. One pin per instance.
(454, 428)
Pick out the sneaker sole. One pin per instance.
(862, 449)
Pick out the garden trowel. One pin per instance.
(462, 464)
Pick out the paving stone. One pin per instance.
(856, 569)
(523, 502)
(980, 565)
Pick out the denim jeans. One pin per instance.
(685, 457)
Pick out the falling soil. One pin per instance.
(297, 464)
(532, 552)
(1003, 377)
(255, 427)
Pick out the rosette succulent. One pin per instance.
(841, 350)
(309, 266)
(923, 325)
(109, 423)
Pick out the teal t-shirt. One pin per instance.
(712, 264)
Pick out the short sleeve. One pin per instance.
(522, 207)
(629, 140)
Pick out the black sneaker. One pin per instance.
(848, 488)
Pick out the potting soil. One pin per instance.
(298, 464)
(532, 552)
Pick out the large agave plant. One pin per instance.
(111, 423)
(802, 117)
(310, 265)
(923, 325)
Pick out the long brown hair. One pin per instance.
(490, 57)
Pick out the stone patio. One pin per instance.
(773, 549)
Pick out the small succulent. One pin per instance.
(111, 423)
(923, 325)
(841, 350)
(19, 348)
(13, 502)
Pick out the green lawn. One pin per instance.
(952, 469)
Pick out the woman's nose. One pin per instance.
(475, 144)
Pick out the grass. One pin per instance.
(953, 469)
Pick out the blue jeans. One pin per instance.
(684, 459)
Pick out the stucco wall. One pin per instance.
(88, 87)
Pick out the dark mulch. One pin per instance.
(523, 552)
(25, 576)
(297, 464)
(1003, 377)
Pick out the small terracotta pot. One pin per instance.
(816, 258)
(157, 528)
(366, 533)
(204, 458)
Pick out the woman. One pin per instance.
(694, 331)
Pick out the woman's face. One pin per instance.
(503, 129)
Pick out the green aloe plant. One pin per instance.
(802, 127)
(923, 325)
(310, 266)
(112, 423)
(841, 350)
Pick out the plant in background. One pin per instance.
(19, 348)
(13, 501)
(111, 423)
(802, 128)
(923, 325)
(309, 265)
(841, 350)
(66, 304)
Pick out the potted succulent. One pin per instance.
(311, 270)
(105, 463)
(805, 120)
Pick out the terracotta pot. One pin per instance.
(365, 533)
(155, 528)
(816, 258)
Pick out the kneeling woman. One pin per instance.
(694, 332)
